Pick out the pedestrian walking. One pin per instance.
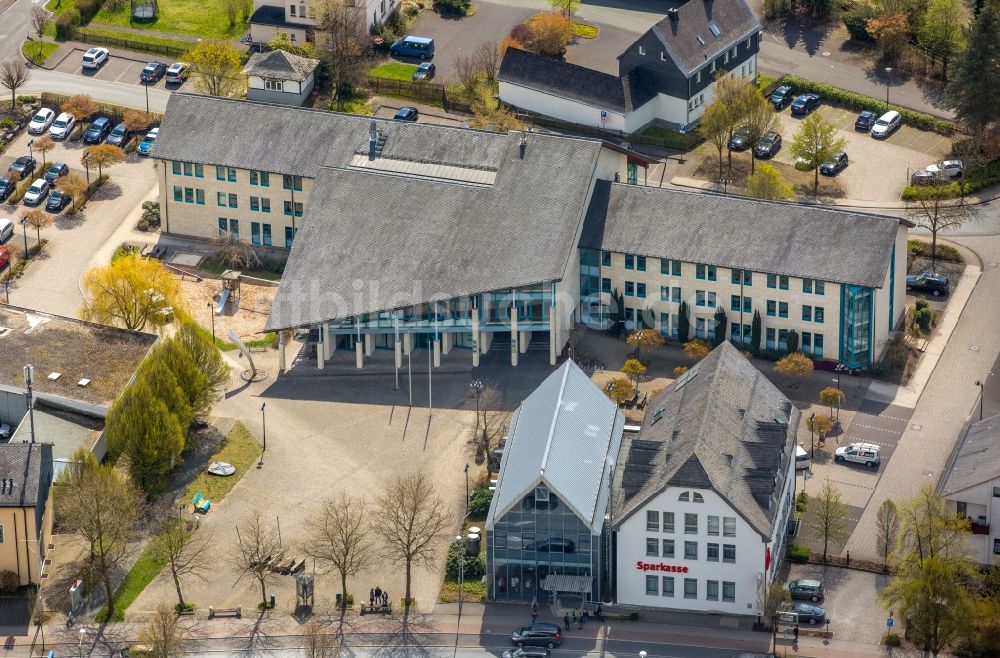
(534, 616)
(566, 622)
(371, 597)
(576, 616)
(598, 613)
(583, 617)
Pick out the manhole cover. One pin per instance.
(916, 427)
(973, 348)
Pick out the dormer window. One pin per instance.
(642, 50)
(663, 56)
(697, 78)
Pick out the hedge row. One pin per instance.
(978, 178)
(859, 102)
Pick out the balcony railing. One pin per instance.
(979, 528)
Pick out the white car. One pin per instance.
(887, 124)
(5, 431)
(37, 192)
(859, 453)
(41, 121)
(177, 73)
(62, 126)
(949, 168)
(95, 58)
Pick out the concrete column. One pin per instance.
(398, 350)
(407, 344)
(281, 352)
(475, 339)
(514, 335)
(553, 338)
(485, 340)
(446, 340)
(321, 348)
(328, 341)
(369, 344)
(523, 341)
(437, 352)
(359, 357)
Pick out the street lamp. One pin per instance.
(24, 231)
(79, 646)
(477, 387)
(86, 164)
(211, 314)
(841, 368)
(263, 423)
(461, 584)
(812, 441)
(888, 72)
(982, 394)
(29, 379)
(31, 154)
(466, 487)
(147, 97)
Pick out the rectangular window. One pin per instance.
(699, 271)
(606, 258)
(712, 590)
(711, 300)
(713, 553)
(629, 262)
(254, 177)
(652, 584)
(690, 588)
(734, 330)
(265, 179)
(770, 338)
(231, 174)
(713, 525)
(606, 285)
(267, 234)
(188, 195)
(807, 286)
(640, 263)
(668, 522)
(220, 172)
(728, 591)
(675, 295)
(782, 309)
(288, 209)
(178, 193)
(652, 520)
(747, 277)
(199, 170)
(729, 526)
(640, 290)
(782, 339)
(747, 304)
(806, 342)
(668, 548)
(700, 330)
(233, 201)
(652, 546)
(818, 346)
(819, 288)
(2, 534)
(255, 233)
(629, 289)
(265, 205)
(234, 228)
(705, 272)
(772, 280)
(699, 297)
(289, 236)
(254, 204)
(783, 283)
(223, 226)
(728, 552)
(664, 293)
(665, 324)
(176, 168)
(220, 198)
(690, 550)
(734, 302)
(668, 586)
(807, 313)
(996, 543)
(690, 524)
(188, 169)
(199, 197)
(629, 314)
(772, 308)
(818, 315)
(290, 182)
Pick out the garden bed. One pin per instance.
(801, 181)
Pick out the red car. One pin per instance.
(4, 258)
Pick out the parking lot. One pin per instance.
(119, 68)
(850, 602)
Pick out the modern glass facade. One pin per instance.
(856, 326)
(538, 537)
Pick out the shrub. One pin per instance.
(8, 124)
(878, 369)
(921, 303)
(857, 101)
(801, 501)
(798, 553)
(892, 640)
(856, 22)
(88, 9)
(520, 33)
(680, 370)
(8, 581)
(479, 501)
(66, 23)
(27, 100)
(475, 566)
(457, 7)
(923, 317)
(550, 34)
(697, 349)
(977, 178)
(947, 253)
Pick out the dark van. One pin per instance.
(420, 47)
(537, 635)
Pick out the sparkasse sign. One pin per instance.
(669, 568)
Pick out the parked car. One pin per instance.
(406, 114)
(865, 121)
(768, 145)
(177, 73)
(740, 141)
(935, 284)
(62, 126)
(949, 168)
(805, 104)
(425, 71)
(56, 170)
(4, 262)
(37, 192)
(57, 201)
(806, 589)
(147, 143)
(41, 121)
(887, 124)
(119, 136)
(833, 165)
(6, 229)
(421, 47)
(153, 72)
(927, 177)
(95, 58)
(526, 652)
(858, 453)
(23, 167)
(537, 635)
(781, 97)
(7, 187)
(809, 614)
(97, 130)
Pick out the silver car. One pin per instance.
(949, 168)
(859, 453)
(37, 192)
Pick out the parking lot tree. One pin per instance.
(940, 31)
(815, 141)
(886, 531)
(207, 361)
(719, 330)
(38, 219)
(346, 48)
(131, 292)
(766, 183)
(634, 370)
(735, 95)
(759, 118)
(80, 106)
(138, 121)
(683, 323)
(163, 635)
(932, 209)
(826, 519)
(74, 185)
(338, 538)
(256, 546)
(103, 156)
(102, 506)
(645, 340)
(820, 425)
(755, 331)
(696, 349)
(975, 86)
(714, 125)
(620, 390)
(551, 32)
(185, 553)
(217, 68)
(410, 520)
(13, 74)
(796, 364)
(831, 396)
(43, 145)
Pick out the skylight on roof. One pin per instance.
(714, 29)
(700, 39)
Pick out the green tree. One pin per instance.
(565, 6)
(736, 95)
(886, 531)
(140, 427)
(207, 359)
(755, 331)
(826, 520)
(634, 370)
(830, 396)
(719, 331)
(975, 87)
(191, 380)
(683, 323)
(814, 142)
(217, 69)
(792, 341)
(156, 373)
(766, 183)
(940, 31)
(759, 118)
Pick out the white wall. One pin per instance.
(980, 501)
(899, 295)
(556, 107)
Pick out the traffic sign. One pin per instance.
(888, 622)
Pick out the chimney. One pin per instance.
(672, 14)
(523, 145)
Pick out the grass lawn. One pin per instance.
(38, 51)
(585, 31)
(213, 265)
(394, 71)
(139, 37)
(241, 449)
(141, 574)
(189, 17)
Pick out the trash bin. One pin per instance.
(272, 600)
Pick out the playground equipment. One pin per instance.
(144, 11)
(230, 291)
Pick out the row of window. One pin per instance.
(257, 204)
(654, 546)
(188, 169)
(260, 234)
(189, 195)
(258, 178)
(664, 586)
(654, 517)
(633, 289)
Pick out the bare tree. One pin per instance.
(235, 253)
(488, 54)
(257, 547)
(827, 517)
(492, 421)
(102, 506)
(338, 537)
(935, 211)
(13, 74)
(40, 20)
(410, 519)
(183, 553)
(886, 530)
(38, 219)
(317, 643)
(163, 634)
(344, 44)
(468, 72)
(770, 598)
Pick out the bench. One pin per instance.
(231, 612)
(376, 609)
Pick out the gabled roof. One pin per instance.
(721, 426)
(275, 15)
(23, 466)
(691, 41)
(579, 83)
(280, 65)
(976, 459)
(564, 436)
(838, 246)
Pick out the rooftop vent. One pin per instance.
(673, 15)
(700, 40)
(7, 486)
(714, 29)
(53, 376)
(83, 382)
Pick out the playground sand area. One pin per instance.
(246, 318)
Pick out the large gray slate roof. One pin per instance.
(733, 18)
(725, 428)
(281, 65)
(564, 436)
(372, 241)
(728, 231)
(976, 459)
(25, 465)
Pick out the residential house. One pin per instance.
(970, 487)
(280, 77)
(299, 21)
(25, 509)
